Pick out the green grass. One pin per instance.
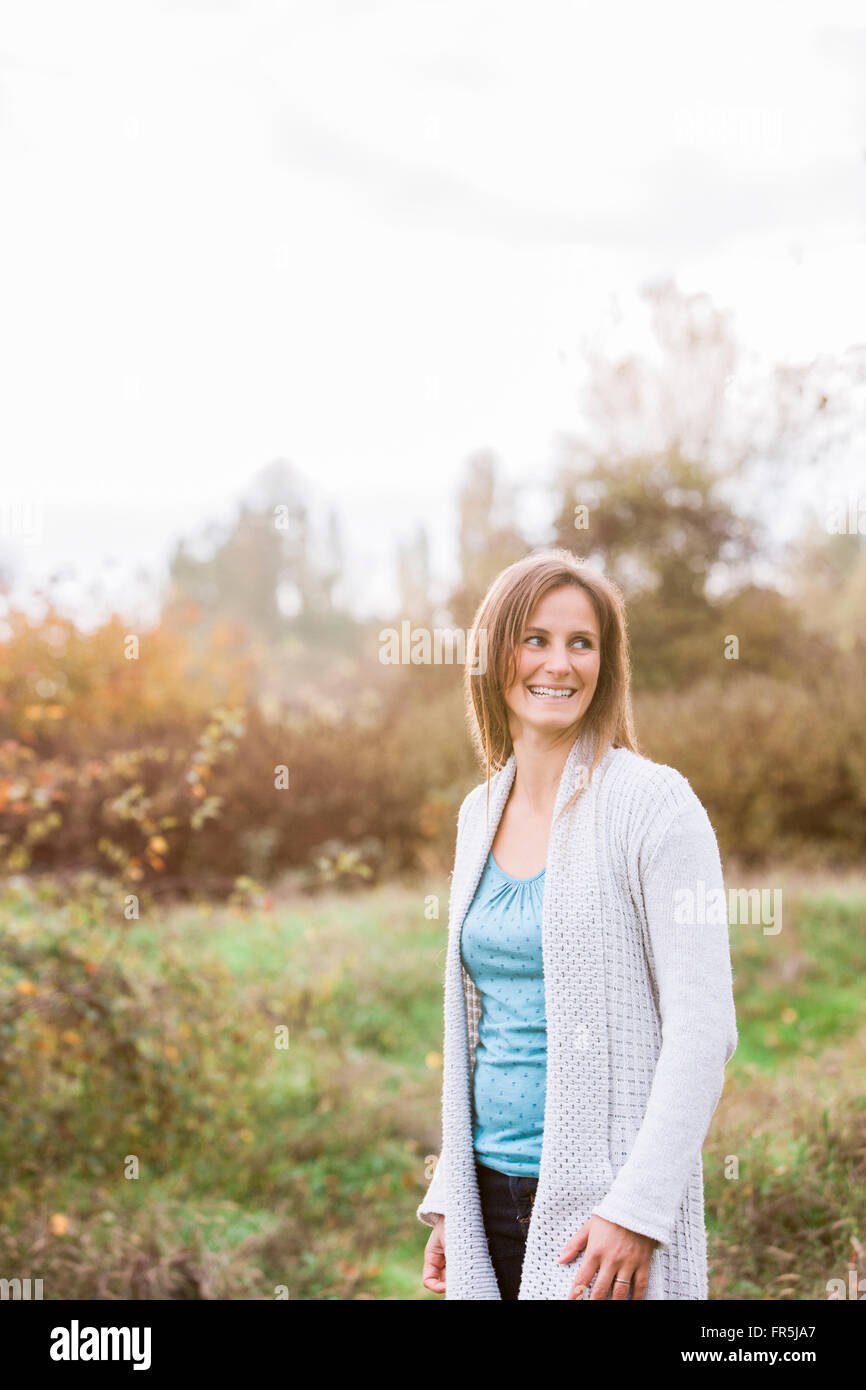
(262, 1167)
(812, 969)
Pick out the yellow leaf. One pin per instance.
(27, 987)
(58, 1224)
(433, 1060)
(172, 1054)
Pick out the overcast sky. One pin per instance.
(371, 238)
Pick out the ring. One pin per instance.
(622, 1281)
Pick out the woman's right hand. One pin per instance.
(433, 1277)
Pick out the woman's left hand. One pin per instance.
(612, 1252)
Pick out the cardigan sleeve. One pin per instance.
(689, 957)
(433, 1204)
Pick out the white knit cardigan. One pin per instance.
(640, 1026)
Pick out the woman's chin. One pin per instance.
(544, 719)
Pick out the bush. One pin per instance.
(99, 1055)
(778, 775)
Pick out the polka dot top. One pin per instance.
(501, 949)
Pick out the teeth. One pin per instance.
(549, 693)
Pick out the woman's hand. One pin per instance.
(612, 1252)
(433, 1277)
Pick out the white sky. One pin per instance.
(372, 237)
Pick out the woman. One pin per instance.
(589, 1010)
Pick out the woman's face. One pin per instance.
(559, 650)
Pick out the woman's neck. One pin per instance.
(539, 764)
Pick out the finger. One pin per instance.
(575, 1245)
(434, 1270)
(639, 1284)
(620, 1289)
(603, 1282)
(433, 1274)
(584, 1278)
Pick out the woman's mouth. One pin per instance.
(551, 692)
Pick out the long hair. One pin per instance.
(498, 629)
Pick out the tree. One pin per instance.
(668, 487)
(489, 538)
(268, 571)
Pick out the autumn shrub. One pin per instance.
(175, 772)
(781, 768)
(99, 1054)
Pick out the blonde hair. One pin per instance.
(502, 616)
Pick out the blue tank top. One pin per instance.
(501, 949)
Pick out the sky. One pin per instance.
(373, 238)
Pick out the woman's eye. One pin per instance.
(535, 638)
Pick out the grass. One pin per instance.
(263, 1167)
(801, 989)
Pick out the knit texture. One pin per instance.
(640, 1026)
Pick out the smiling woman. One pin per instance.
(555, 679)
(587, 1025)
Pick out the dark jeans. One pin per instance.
(506, 1205)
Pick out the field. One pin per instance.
(166, 1137)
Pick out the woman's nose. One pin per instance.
(558, 661)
